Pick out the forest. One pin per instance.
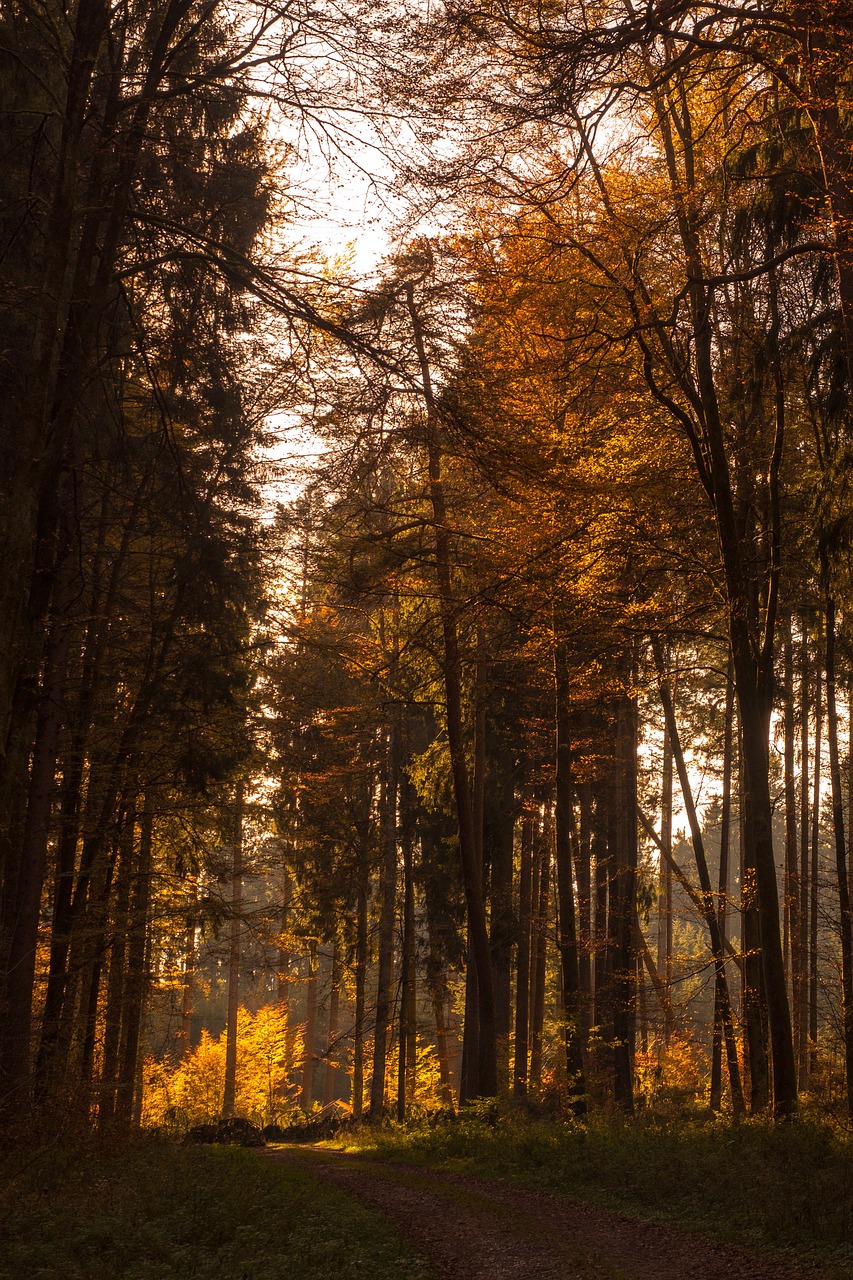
(426, 618)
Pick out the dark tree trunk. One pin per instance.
(471, 866)
(564, 830)
(815, 861)
(330, 1078)
(584, 879)
(624, 904)
(802, 997)
(24, 896)
(539, 950)
(601, 855)
(129, 1092)
(499, 829)
(523, 965)
(389, 803)
(710, 907)
(230, 1092)
(306, 1093)
(840, 848)
(360, 982)
(793, 896)
(753, 1000)
(116, 977)
(408, 1003)
(723, 891)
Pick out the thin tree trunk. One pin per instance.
(284, 957)
(229, 1095)
(129, 1093)
(522, 973)
(665, 872)
(500, 833)
(189, 974)
(815, 856)
(389, 794)
(840, 847)
(360, 982)
(584, 879)
(601, 849)
(723, 887)
(334, 1011)
(116, 976)
(802, 997)
(709, 907)
(436, 981)
(470, 1074)
(537, 1012)
(850, 784)
(792, 871)
(624, 900)
(306, 1094)
(564, 823)
(753, 1000)
(408, 1023)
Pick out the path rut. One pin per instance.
(470, 1228)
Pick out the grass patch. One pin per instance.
(153, 1212)
(783, 1187)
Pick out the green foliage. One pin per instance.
(156, 1212)
(756, 1184)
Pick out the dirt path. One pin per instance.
(473, 1229)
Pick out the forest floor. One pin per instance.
(467, 1227)
(152, 1210)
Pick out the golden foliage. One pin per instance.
(190, 1092)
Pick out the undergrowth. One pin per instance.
(157, 1212)
(786, 1187)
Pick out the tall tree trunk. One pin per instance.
(815, 860)
(284, 957)
(471, 868)
(523, 965)
(709, 906)
(329, 1079)
(229, 1095)
(389, 796)
(309, 1050)
(408, 1020)
(624, 900)
(116, 977)
(723, 889)
(563, 825)
(187, 983)
(665, 872)
(470, 1077)
(469, 1083)
(437, 987)
(360, 983)
(602, 884)
(752, 638)
(754, 998)
(499, 840)
(584, 878)
(840, 848)
(129, 1093)
(850, 784)
(792, 869)
(539, 950)
(24, 897)
(802, 1019)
